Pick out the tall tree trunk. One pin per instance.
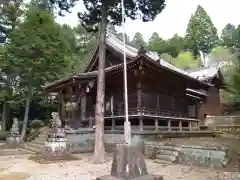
(27, 108)
(99, 150)
(4, 116)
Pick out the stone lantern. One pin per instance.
(13, 137)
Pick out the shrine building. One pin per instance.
(161, 97)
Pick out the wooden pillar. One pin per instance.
(180, 125)
(112, 111)
(156, 124)
(83, 106)
(141, 124)
(62, 109)
(198, 127)
(139, 94)
(90, 122)
(190, 125)
(158, 102)
(172, 103)
(139, 104)
(169, 125)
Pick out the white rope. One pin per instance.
(127, 126)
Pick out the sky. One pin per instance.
(174, 18)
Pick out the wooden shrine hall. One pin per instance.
(161, 97)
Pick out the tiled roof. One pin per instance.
(87, 75)
(132, 52)
(204, 73)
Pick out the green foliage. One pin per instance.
(186, 60)
(92, 17)
(201, 33)
(176, 45)
(39, 53)
(221, 54)
(167, 57)
(138, 40)
(81, 44)
(172, 46)
(157, 44)
(227, 35)
(43, 4)
(39, 49)
(50, 49)
(10, 14)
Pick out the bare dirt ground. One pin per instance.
(19, 168)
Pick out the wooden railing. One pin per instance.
(146, 111)
(153, 128)
(151, 104)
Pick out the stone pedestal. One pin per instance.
(56, 144)
(13, 138)
(128, 164)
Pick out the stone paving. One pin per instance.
(84, 170)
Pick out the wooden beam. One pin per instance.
(195, 97)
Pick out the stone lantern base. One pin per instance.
(55, 148)
(13, 139)
(56, 144)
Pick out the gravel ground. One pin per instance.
(84, 170)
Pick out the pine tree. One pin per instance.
(43, 4)
(38, 51)
(157, 44)
(175, 45)
(201, 33)
(227, 35)
(9, 18)
(138, 40)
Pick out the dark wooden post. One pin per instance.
(190, 125)
(156, 124)
(158, 102)
(180, 125)
(169, 125)
(62, 109)
(112, 111)
(83, 106)
(139, 103)
(90, 122)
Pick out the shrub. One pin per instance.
(36, 124)
(3, 135)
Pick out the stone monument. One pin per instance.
(13, 137)
(56, 142)
(56, 122)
